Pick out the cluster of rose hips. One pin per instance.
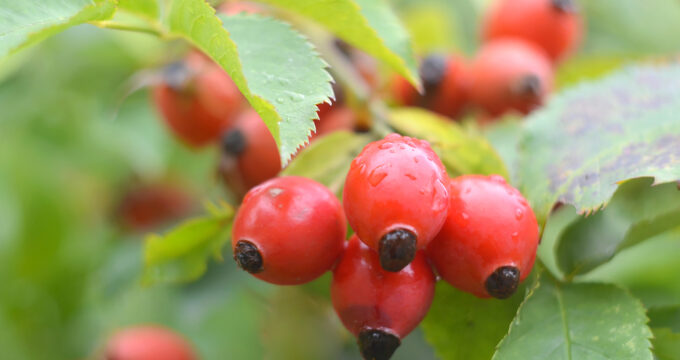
(512, 72)
(478, 233)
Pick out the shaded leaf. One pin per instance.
(183, 253)
(666, 344)
(327, 160)
(461, 152)
(665, 317)
(27, 21)
(636, 212)
(462, 326)
(588, 139)
(370, 25)
(649, 270)
(577, 321)
(505, 135)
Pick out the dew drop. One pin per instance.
(497, 178)
(519, 214)
(416, 159)
(280, 100)
(385, 146)
(377, 175)
(411, 176)
(515, 236)
(439, 198)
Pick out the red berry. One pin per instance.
(377, 306)
(488, 242)
(237, 7)
(288, 231)
(553, 25)
(395, 198)
(197, 100)
(341, 118)
(149, 205)
(250, 153)
(446, 83)
(148, 343)
(510, 75)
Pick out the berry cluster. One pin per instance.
(523, 40)
(478, 232)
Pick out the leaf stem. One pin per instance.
(124, 27)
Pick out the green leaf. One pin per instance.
(577, 321)
(588, 139)
(276, 69)
(666, 344)
(461, 152)
(327, 160)
(665, 317)
(148, 8)
(631, 26)
(462, 326)
(27, 21)
(636, 212)
(649, 270)
(370, 25)
(504, 135)
(182, 254)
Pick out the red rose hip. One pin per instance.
(395, 198)
(380, 307)
(488, 242)
(148, 343)
(553, 25)
(249, 153)
(509, 75)
(288, 231)
(197, 100)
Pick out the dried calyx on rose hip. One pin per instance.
(553, 25)
(379, 307)
(510, 75)
(197, 99)
(149, 342)
(488, 243)
(395, 198)
(288, 231)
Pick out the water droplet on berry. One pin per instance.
(439, 198)
(385, 146)
(515, 236)
(411, 176)
(519, 214)
(497, 178)
(377, 175)
(416, 159)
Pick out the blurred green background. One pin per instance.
(71, 142)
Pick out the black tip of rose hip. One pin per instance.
(234, 142)
(565, 6)
(176, 75)
(503, 282)
(248, 257)
(432, 71)
(397, 248)
(377, 344)
(528, 85)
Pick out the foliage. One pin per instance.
(605, 148)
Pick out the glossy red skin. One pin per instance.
(147, 206)
(298, 226)
(498, 67)
(536, 21)
(205, 108)
(489, 225)
(366, 296)
(396, 182)
(148, 343)
(451, 96)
